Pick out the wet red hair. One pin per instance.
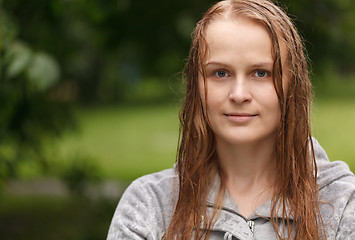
(196, 160)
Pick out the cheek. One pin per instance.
(270, 102)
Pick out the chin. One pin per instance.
(247, 139)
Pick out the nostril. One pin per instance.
(240, 97)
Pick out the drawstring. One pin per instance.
(251, 226)
(227, 236)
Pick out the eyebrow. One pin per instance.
(216, 63)
(256, 65)
(262, 64)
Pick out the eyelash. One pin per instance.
(254, 73)
(266, 73)
(221, 71)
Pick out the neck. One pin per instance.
(247, 164)
(249, 173)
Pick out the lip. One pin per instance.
(240, 117)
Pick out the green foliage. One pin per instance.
(328, 27)
(329, 84)
(41, 70)
(28, 116)
(54, 218)
(79, 172)
(107, 48)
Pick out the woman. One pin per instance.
(247, 167)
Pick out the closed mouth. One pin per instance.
(240, 118)
(240, 115)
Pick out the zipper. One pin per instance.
(251, 226)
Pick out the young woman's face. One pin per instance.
(242, 105)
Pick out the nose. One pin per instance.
(240, 91)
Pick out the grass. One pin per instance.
(127, 142)
(333, 126)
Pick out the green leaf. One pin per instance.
(43, 71)
(18, 57)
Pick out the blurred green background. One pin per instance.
(90, 93)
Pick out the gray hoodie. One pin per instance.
(146, 207)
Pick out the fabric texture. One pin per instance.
(147, 205)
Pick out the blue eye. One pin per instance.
(221, 74)
(261, 74)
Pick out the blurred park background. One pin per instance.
(90, 92)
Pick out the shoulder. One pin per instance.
(156, 188)
(145, 208)
(337, 206)
(332, 175)
(162, 179)
(337, 196)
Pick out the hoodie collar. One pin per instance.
(230, 206)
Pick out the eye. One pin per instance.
(261, 74)
(221, 74)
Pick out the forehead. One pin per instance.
(234, 19)
(240, 32)
(230, 37)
